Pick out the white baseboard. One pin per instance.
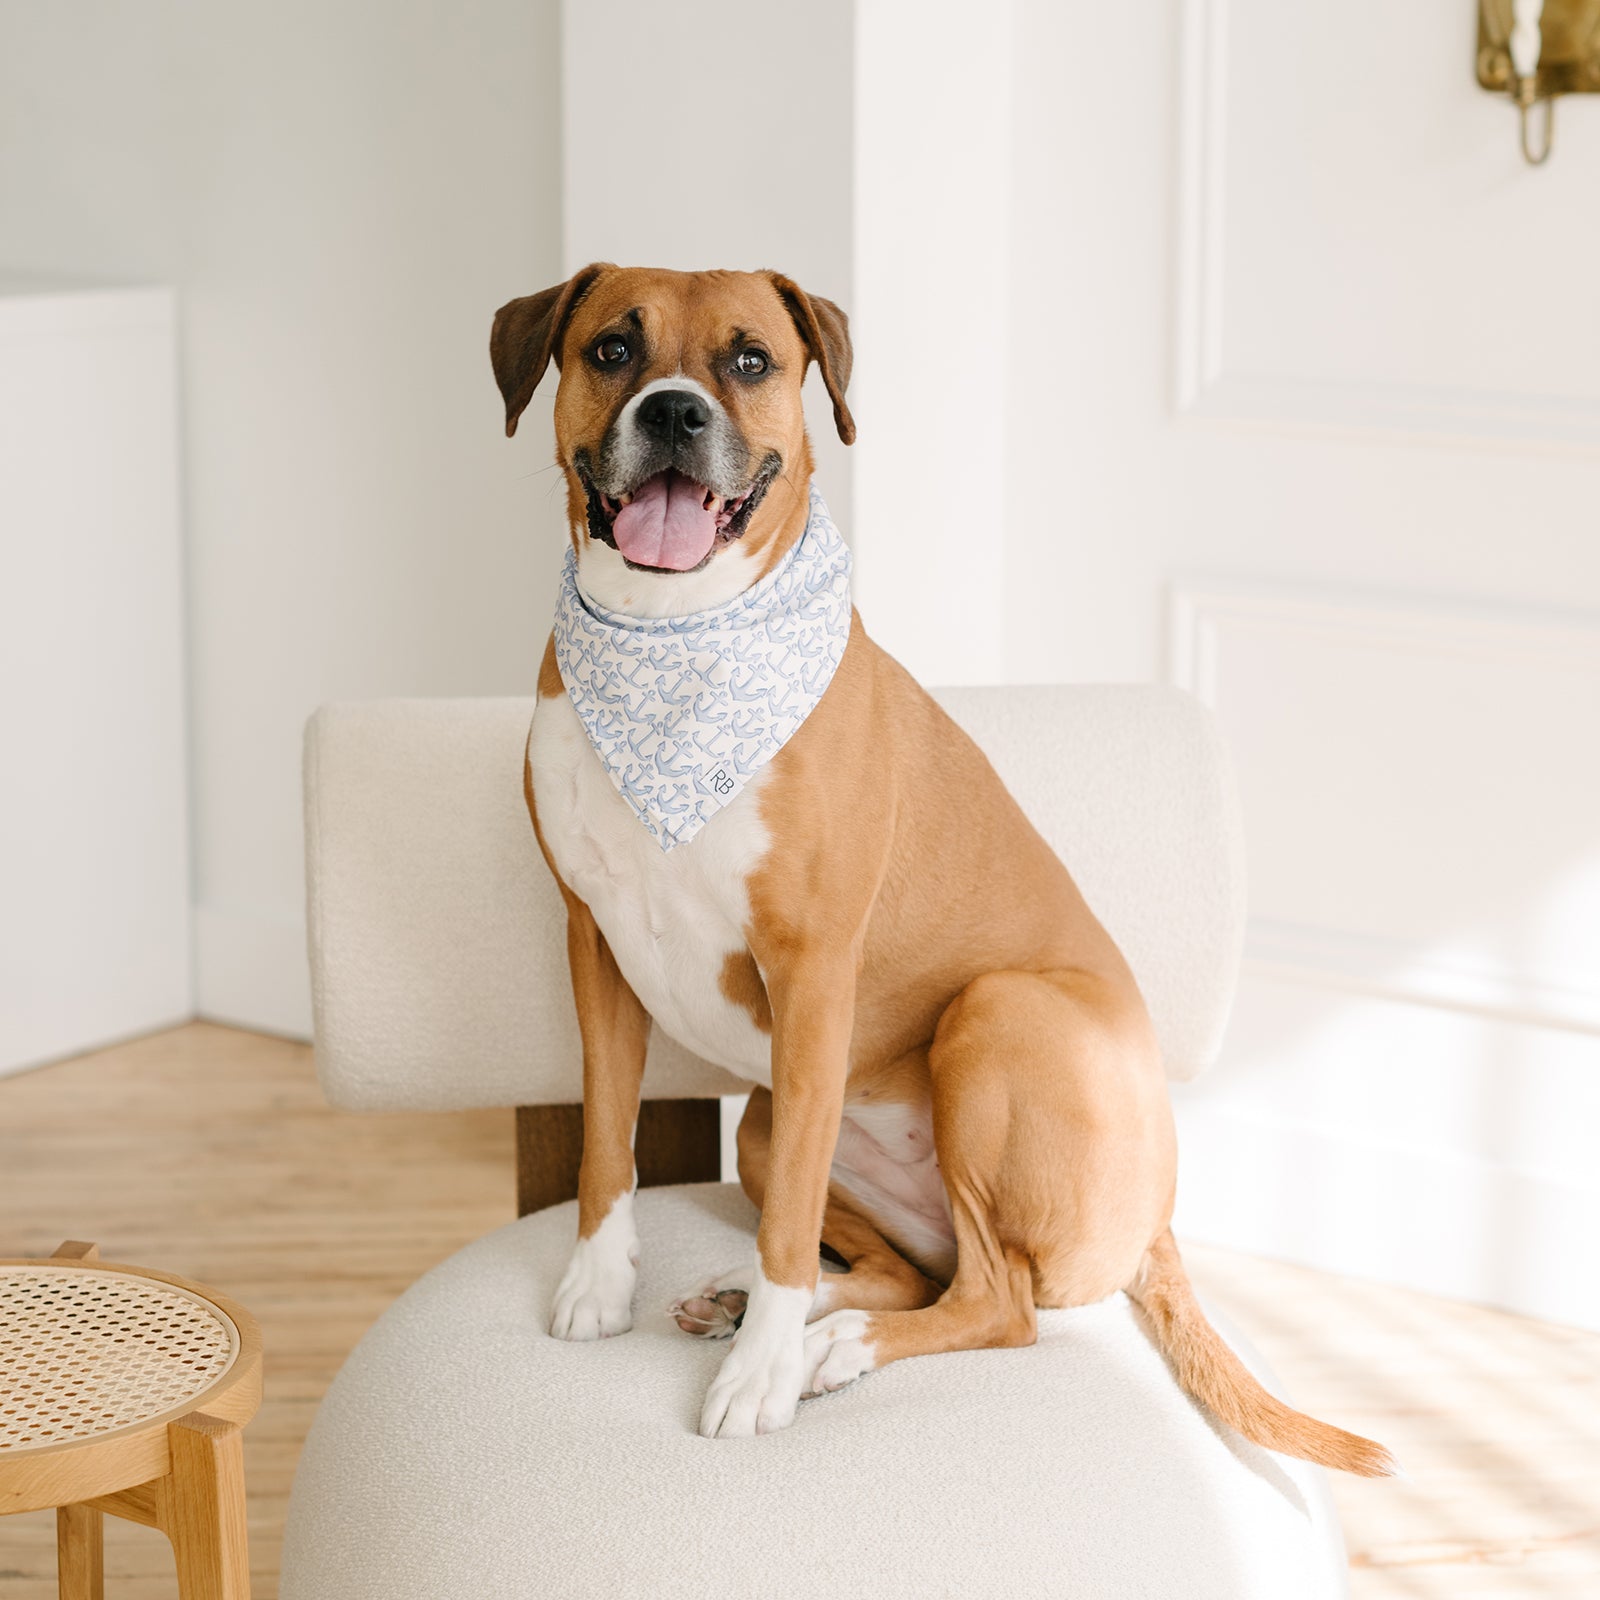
(1435, 1146)
(251, 970)
(1441, 1223)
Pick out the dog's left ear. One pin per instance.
(826, 331)
(527, 335)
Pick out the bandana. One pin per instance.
(683, 710)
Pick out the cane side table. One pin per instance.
(126, 1390)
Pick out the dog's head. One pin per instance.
(678, 419)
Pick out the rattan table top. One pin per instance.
(87, 1352)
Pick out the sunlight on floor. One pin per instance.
(1495, 1418)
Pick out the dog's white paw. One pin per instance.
(715, 1310)
(758, 1386)
(756, 1391)
(835, 1352)
(595, 1297)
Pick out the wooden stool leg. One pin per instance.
(202, 1508)
(80, 1553)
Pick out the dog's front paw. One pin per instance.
(595, 1299)
(758, 1386)
(755, 1392)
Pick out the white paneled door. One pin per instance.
(1301, 409)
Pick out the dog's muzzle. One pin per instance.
(672, 482)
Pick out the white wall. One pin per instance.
(94, 823)
(342, 195)
(1303, 412)
(933, 166)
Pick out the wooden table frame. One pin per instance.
(183, 1473)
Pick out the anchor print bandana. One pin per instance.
(683, 710)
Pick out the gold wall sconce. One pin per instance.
(1534, 50)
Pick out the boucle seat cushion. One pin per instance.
(463, 1454)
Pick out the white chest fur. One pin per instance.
(672, 918)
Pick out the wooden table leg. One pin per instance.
(80, 1553)
(202, 1508)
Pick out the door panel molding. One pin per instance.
(1327, 699)
(1211, 386)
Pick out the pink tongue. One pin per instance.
(666, 524)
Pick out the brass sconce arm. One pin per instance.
(1535, 50)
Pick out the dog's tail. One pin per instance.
(1207, 1369)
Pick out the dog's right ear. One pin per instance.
(527, 336)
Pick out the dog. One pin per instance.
(957, 1090)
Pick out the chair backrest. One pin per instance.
(437, 937)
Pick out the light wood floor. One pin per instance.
(208, 1152)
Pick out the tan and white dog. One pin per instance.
(959, 1092)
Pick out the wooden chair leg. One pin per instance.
(677, 1141)
(202, 1508)
(80, 1553)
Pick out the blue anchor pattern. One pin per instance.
(683, 710)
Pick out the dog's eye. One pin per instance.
(612, 351)
(751, 363)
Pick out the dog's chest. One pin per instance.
(672, 918)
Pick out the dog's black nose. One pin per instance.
(673, 412)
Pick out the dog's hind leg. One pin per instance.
(715, 1309)
(877, 1278)
(1049, 1127)
(988, 1305)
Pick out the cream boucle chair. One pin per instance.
(462, 1454)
